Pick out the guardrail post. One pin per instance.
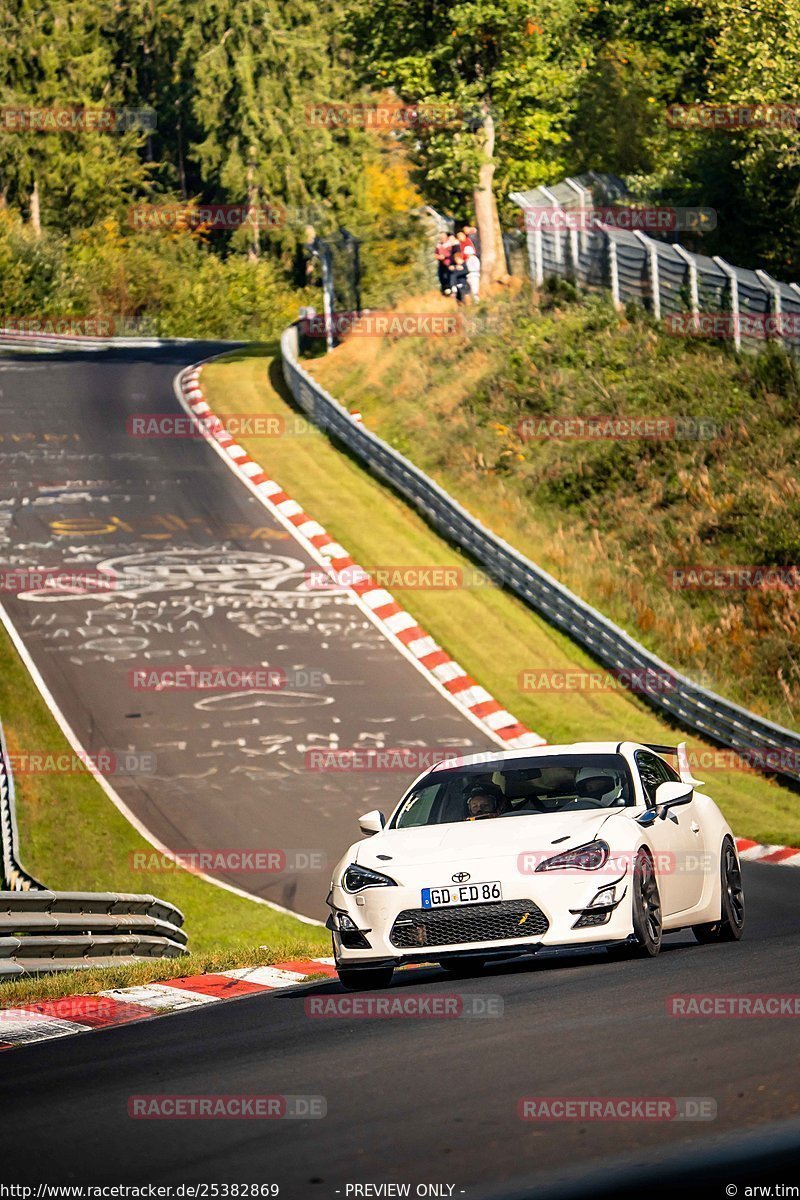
(652, 269)
(559, 248)
(613, 269)
(533, 238)
(734, 286)
(776, 304)
(581, 193)
(694, 293)
(538, 255)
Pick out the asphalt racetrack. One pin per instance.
(408, 1099)
(430, 1100)
(210, 580)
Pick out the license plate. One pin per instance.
(465, 893)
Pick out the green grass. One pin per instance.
(73, 838)
(493, 635)
(100, 979)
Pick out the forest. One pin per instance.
(357, 115)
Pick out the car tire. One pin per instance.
(646, 900)
(730, 926)
(365, 979)
(462, 968)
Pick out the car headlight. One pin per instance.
(589, 857)
(356, 878)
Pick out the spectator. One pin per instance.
(473, 235)
(473, 266)
(444, 252)
(465, 243)
(459, 287)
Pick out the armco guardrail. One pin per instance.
(22, 339)
(698, 293)
(14, 876)
(42, 931)
(60, 931)
(767, 745)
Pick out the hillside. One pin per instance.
(612, 518)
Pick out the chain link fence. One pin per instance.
(692, 294)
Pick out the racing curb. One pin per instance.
(750, 851)
(42, 1020)
(379, 605)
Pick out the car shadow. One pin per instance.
(424, 974)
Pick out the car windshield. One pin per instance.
(525, 787)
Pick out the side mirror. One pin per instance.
(372, 822)
(671, 793)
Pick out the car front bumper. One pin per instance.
(389, 926)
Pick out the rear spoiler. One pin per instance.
(682, 756)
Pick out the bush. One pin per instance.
(167, 283)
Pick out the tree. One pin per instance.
(261, 70)
(59, 58)
(755, 63)
(147, 37)
(497, 83)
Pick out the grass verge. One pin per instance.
(491, 633)
(72, 838)
(100, 979)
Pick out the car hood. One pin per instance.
(471, 841)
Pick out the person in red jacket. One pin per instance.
(466, 244)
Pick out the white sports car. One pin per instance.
(507, 853)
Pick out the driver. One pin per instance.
(605, 788)
(484, 800)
